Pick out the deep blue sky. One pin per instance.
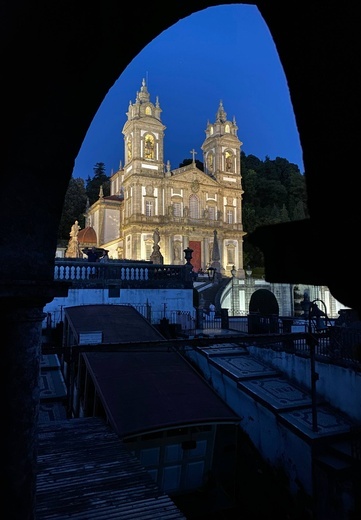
(222, 53)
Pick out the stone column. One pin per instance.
(22, 314)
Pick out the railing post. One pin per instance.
(312, 342)
(224, 319)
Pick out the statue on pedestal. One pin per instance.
(73, 250)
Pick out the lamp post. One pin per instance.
(211, 271)
(248, 282)
(233, 273)
(314, 312)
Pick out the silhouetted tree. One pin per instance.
(199, 164)
(99, 179)
(274, 191)
(73, 208)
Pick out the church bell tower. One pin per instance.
(143, 136)
(222, 150)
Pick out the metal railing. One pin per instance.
(335, 343)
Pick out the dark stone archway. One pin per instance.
(58, 62)
(264, 302)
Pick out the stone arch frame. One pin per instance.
(311, 48)
(228, 160)
(148, 245)
(210, 160)
(297, 67)
(264, 301)
(230, 250)
(149, 137)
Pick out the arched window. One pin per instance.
(193, 206)
(228, 161)
(210, 162)
(148, 111)
(177, 209)
(129, 148)
(149, 146)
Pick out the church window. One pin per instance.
(210, 162)
(212, 213)
(227, 129)
(230, 256)
(129, 148)
(128, 208)
(148, 111)
(193, 206)
(229, 159)
(148, 249)
(230, 216)
(148, 208)
(177, 209)
(128, 253)
(149, 146)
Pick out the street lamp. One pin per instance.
(211, 271)
(233, 273)
(248, 271)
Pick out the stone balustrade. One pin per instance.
(80, 272)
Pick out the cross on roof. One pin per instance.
(193, 152)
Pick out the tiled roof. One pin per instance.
(87, 236)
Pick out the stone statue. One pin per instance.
(156, 237)
(73, 250)
(75, 228)
(177, 253)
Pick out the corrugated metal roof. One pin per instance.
(147, 388)
(118, 323)
(85, 473)
(154, 388)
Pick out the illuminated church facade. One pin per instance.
(185, 207)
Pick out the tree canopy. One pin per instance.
(99, 179)
(73, 209)
(274, 191)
